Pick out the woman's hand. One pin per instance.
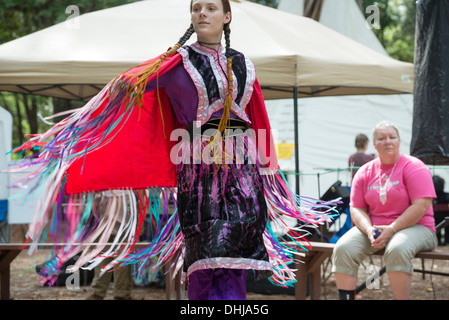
(386, 232)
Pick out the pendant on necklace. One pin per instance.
(384, 185)
(383, 195)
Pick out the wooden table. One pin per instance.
(310, 265)
(8, 252)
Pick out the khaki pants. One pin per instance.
(354, 247)
(123, 282)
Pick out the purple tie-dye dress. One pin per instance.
(222, 212)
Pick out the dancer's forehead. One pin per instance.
(216, 3)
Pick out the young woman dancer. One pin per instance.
(223, 175)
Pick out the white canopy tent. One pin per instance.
(74, 59)
(294, 56)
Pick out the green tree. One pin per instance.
(397, 26)
(19, 18)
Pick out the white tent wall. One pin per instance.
(295, 6)
(345, 16)
(327, 130)
(5, 147)
(20, 207)
(328, 125)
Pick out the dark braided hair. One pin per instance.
(228, 103)
(186, 35)
(227, 33)
(225, 119)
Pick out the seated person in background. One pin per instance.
(392, 194)
(359, 158)
(441, 208)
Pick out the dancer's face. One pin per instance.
(208, 19)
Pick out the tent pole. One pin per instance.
(295, 114)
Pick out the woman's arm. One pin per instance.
(408, 218)
(412, 215)
(361, 219)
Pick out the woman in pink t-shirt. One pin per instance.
(391, 207)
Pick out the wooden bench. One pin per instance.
(310, 266)
(9, 251)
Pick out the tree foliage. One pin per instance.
(397, 26)
(19, 18)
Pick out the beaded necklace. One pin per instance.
(383, 187)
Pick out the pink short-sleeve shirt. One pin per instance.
(410, 180)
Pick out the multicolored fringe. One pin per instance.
(85, 130)
(113, 231)
(102, 225)
(285, 242)
(108, 224)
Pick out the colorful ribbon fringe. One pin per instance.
(109, 223)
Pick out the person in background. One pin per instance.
(391, 207)
(359, 158)
(121, 277)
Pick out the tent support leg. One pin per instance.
(295, 114)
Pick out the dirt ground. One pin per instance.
(25, 283)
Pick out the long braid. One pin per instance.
(227, 33)
(186, 35)
(228, 101)
(225, 119)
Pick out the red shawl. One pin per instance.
(139, 154)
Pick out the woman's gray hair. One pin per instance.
(384, 124)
